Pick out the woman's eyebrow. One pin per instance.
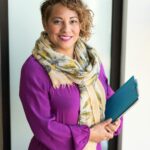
(56, 18)
(74, 17)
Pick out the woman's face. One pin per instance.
(63, 27)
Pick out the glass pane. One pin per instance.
(101, 38)
(24, 28)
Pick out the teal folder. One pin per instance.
(122, 99)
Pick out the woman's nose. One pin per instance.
(66, 27)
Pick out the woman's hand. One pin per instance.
(99, 131)
(112, 127)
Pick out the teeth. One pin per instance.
(65, 37)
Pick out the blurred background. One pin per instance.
(24, 26)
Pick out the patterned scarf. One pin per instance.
(83, 71)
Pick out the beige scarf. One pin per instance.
(83, 70)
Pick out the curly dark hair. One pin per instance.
(84, 13)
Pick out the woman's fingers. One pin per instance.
(104, 130)
(110, 128)
(117, 122)
(113, 126)
(98, 132)
(107, 122)
(108, 136)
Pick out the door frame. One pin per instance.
(116, 46)
(4, 76)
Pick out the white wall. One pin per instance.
(24, 28)
(101, 33)
(136, 61)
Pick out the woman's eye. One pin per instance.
(73, 21)
(57, 21)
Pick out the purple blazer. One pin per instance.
(53, 113)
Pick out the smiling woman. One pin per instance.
(22, 35)
(63, 86)
(63, 29)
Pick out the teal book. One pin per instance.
(122, 99)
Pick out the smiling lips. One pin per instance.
(65, 37)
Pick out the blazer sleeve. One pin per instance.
(35, 100)
(109, 92)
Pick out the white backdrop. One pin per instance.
(136, 61)
(24, 28)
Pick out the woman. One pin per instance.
(63, 87)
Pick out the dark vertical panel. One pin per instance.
(117, 13)
(1, 129)
(5, 96)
